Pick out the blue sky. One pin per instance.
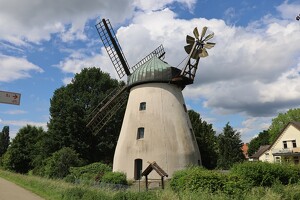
(251, 75)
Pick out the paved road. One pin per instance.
(11, 191)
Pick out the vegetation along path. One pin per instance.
(11, 191)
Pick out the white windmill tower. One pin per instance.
(156, 126)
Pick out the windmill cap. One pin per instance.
(153, 71)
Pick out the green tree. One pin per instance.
(70, 106)
(229, 147)
(263, 138)
(58, 165)
(4, 140)
(206, 140)
(22, 151)
(281, 121)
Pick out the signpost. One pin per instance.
(10, 97)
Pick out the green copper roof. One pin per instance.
(154, 70)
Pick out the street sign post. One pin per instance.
(10, 97)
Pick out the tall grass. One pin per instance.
(60, 190)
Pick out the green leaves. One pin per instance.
(206, 140)
(281, 121)
(23, 149)
(70, 106)
(229, 146)
(4, 140)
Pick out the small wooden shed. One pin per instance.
(160, 171)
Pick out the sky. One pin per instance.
(249, 77)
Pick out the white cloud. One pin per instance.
(161, 4)
(289, 11)
(21, 123)
(67, 80)
(13, 68)
(252, 126)
(14, 112)
(27, 20)
(15, 125)
(252, 70)
(79, 60)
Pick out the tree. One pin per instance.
(4, 140)
(69, 109)
(206, 140)
(22, 151)
(58, 165)
(281, 121)
(229, 147)
(263, 138)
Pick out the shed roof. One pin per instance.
(154, 166)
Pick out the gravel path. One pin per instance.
(11, 191)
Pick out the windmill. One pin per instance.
(156, 125)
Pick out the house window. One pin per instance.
(294, 143)
(143, 106)
(277, 159)
(284, 144)
(138, 166)
(140, 133)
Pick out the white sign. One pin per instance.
(10, 97)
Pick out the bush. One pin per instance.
(196, 178)
(91, 172)
(266, 174)
(114, 178)
(57, 166)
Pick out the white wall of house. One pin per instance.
(266, 157)
(287, 142)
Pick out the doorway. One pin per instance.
(138, 166)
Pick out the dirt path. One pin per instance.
(11, 191)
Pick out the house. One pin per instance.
(259, 155)
(286, 147)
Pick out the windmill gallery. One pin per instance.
(156, 126)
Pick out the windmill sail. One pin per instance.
(101, 115)
(113, 47)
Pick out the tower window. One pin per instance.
(140, 133)
(143, 106)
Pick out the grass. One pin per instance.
(60, 190)
(46, 188)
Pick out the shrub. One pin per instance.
(114, 178)
(266, 174)
(196, 178)
(91, 172)
(57, 166)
